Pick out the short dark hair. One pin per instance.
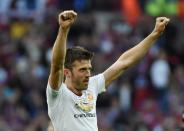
(76, 53)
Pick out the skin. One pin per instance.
(77, 79)
(65, 20)
(50, 127)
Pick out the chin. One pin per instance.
(85, 87)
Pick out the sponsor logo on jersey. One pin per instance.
(84, 115)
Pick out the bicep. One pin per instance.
(113, 72)
(56, 77)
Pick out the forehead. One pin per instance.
(81, 63)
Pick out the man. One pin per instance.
(71, 91)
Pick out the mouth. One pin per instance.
(86, 81)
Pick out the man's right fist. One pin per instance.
(67, 18)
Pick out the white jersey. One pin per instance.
(69, 112)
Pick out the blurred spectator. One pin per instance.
(160, 76)
(125, 97)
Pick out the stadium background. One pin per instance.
(148, 97)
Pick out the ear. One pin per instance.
(66, 72)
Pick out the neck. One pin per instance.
(72, 87)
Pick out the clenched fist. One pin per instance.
(67, 18)
(161, 23)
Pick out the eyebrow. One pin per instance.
(86, 68)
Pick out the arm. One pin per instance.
(66, 19)
(134, 54)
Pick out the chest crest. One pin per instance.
(85, 102)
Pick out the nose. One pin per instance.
(88, 73)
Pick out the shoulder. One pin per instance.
(96, 77)
(53, 92)
(97, 83)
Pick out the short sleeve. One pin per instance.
(53, 96)
(99, 82)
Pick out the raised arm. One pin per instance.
(65, 19)
(134, 54)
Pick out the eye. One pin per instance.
(86, 69)
(83, 69)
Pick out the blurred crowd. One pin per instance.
(147, 97)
